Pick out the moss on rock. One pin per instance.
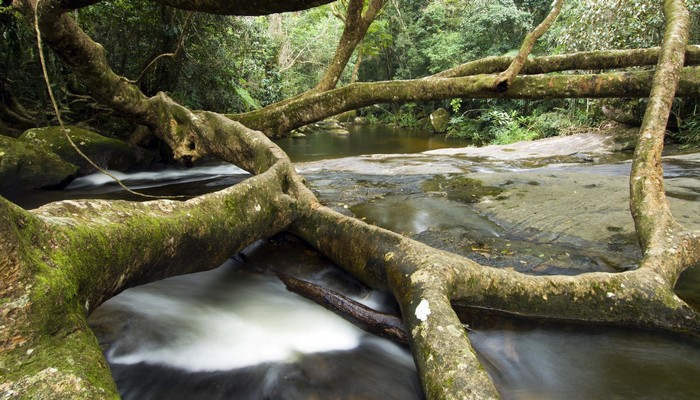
(104, 151)
(25, 166)
(460, 188)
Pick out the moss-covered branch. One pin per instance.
(414, 272)
(62, 260)
(656, 228)
(581, 61)
(276, 120)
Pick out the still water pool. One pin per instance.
(365, 139)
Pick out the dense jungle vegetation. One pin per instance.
(233, 64)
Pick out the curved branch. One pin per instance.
(174, 54)
(243, 7)
(655, 226)
(425, 281)
(506, 77)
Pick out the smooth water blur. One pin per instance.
(235, 332)
(365, 139)
(221, 320)
(162, 182)
(555, 362)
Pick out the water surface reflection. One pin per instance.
(365, 139)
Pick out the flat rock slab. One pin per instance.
(565, 191)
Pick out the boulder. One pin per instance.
(440, 120)
(25, 166)
(103, 151)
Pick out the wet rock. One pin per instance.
(348, 116)
(339, 131)
(360, 121)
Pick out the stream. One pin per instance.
(236, 333)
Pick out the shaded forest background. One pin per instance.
(236, 64)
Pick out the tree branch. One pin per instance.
(243, 7)
(581, 61)
(174, 54)
(278, 119)
(653, 221)
(377, 323)
(505, 78)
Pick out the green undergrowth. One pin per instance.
(501, 126)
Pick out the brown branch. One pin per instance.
(505, 79)
(656, 228)
(581, 61)
(174, 54)
(377, 323)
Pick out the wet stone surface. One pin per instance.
(551, 214)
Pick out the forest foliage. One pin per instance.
(236, 64)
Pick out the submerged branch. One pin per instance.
(377, 323)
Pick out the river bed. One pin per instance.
(235, 332)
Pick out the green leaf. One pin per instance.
(247, 98)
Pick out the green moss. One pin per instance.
(25, 166)
(106, 152)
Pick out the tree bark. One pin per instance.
(276, 120)
(668, 249)
(62, 260)
(357, 22)
(505, 79)
(384, 325)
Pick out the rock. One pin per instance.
(25, 166)
(424, 123)
(360, 121)
(329, 124)
(440, 120)
(348, 116)
(297, 135)
(339, 131)
(104, 151)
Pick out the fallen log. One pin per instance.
(388, 326)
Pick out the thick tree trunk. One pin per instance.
(62, 260)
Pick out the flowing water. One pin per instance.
(236, 333)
